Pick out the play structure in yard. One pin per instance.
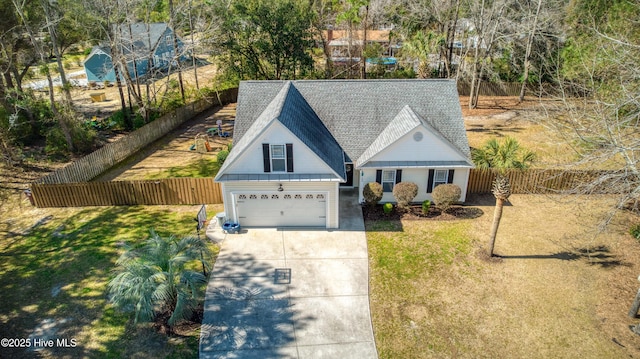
(215, 131)
(201, 143)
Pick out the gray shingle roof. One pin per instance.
(289, 108)
(356, 112)
(145, 36)
(299, 118)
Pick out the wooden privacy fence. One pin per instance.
(171, 191)
(95, 163)
(543, 181)
(177, 191)
(504, 89)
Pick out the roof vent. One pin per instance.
(417, 136)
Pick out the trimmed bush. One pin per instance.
(445, 195)
(404, 193)
(426, 205)
(222, 156)
(387, 208)
(372, 193)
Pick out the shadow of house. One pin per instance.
(147, 49)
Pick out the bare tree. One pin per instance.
(600, 80)
(527, 60)
(37, 44)
(487, 18)
(172, 24)
(50, 9)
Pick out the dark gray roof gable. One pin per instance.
(290, 108)
(299, 118)
(355, 112)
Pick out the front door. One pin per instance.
(349, 183)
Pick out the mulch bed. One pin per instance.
(184, 328)
(376, 213)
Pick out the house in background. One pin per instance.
(296, 143)
(148, 48)
(340, 42)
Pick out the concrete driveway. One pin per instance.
(291, 293)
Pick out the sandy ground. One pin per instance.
(173, 150)
(82, 96)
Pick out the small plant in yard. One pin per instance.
(387, 208)
(404, 193)
(426, 205)
(445, 195)
(155, 279)
(635, 231)
(372, 193)
(222, 156)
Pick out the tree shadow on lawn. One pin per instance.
(597, 256)
(54, 275)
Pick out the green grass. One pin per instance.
(204, 167)
(405, 259)
(73, 254)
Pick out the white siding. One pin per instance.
(419, 176)
(429, 148)
(330, 187)
(304, 160)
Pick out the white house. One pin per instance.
(296, 143)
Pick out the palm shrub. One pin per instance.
(372, 193)
(446, 195)
(156, 278)
(502, 157)
(404, 193)
(635, 231)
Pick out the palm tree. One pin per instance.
(502, 157)
(419, 47)
(154, 278)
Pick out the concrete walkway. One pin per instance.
(291, 293)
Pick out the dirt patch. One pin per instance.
(499, 117)
(184, 328)
(175, 149)
(103, 109)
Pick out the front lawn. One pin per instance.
(54, 270)
(557, 292)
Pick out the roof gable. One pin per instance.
(401, 126)
(291, 110)
(304, 123)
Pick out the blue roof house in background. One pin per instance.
(148, 48)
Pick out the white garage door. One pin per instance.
(282, 209)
